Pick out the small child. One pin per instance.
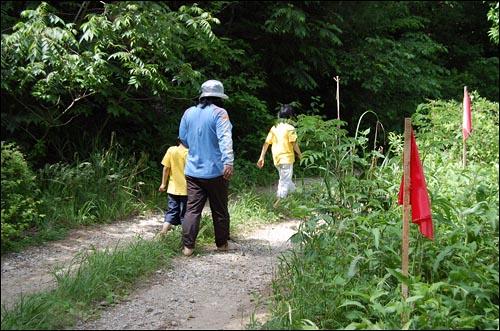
(283, 137)
(173, 170)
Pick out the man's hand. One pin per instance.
(228, 171)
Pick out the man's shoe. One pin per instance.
(229, 246)
(187, 251)
(223, 248)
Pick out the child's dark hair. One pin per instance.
(286, 111)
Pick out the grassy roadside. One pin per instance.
(103, 277)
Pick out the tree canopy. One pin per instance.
(74, 72)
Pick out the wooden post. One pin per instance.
(337, 96)
(406, 207)
(465, 155)
(464, 148)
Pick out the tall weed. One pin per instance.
(101, 189)
(94, 278)
(347, 272)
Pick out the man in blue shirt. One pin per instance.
(205, 129)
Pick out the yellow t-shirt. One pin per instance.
(175, 159)
(281, 138)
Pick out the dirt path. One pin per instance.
(208, 291)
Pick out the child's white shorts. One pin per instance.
(285, 184)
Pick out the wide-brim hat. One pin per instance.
(212, 88)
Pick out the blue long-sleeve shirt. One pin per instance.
(206, 132)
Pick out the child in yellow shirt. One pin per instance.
(283, 138)
(173, 163)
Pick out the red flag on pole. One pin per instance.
(467, 123)
(419, 197)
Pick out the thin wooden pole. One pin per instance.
(464, 148)
(406, 207)
(337, 96)
(465, 155)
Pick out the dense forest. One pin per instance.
(75, 74)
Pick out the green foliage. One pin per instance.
(104, 188)
(93, 277)
(72, 71)
(247, 175)
(493, 17)
(113, 45)
(468, 63)
(321, 151)
(250, 118)
(339, 159)
(439, 124)
(103, 275)
(20, 196)
(391, 37)
(133, 68)
(56, 74)
(346, 272)
(297, 24)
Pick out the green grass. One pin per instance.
(92, 277)
(105, 276)
(346, 271)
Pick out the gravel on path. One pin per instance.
(210, 290)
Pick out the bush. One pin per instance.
(19, 195)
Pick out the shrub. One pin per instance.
(19, 195)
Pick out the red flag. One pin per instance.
(467, 123)
(419, 197)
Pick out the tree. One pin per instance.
(133, 67)
(54, 72)
(493, 17)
